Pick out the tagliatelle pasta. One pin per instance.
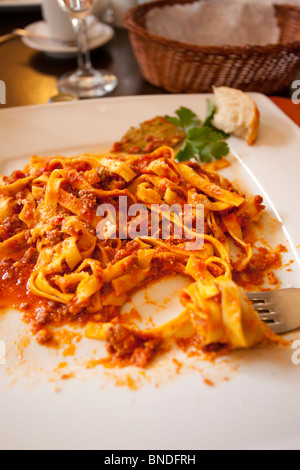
(64, 260)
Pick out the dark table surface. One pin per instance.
(31, 76)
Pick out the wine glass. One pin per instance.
(86, 82)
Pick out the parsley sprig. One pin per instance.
(203, 141)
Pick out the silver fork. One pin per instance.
(280, 309)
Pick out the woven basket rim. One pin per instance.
(133, 27)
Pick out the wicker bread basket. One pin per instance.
(184, 68)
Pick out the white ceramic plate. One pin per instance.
(99, 34)
(19, 3)
(257, 408)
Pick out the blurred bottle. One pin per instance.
(119, 8)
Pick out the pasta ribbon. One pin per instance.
(222, 314)
(14, 188)
(210, 189)
(119, 168)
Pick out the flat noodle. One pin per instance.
(51, 209)
(222, 314)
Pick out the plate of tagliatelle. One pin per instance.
(131, 230)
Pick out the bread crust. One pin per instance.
(252, 128)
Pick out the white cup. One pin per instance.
(120, 7)
(58, 22)
(99, 7)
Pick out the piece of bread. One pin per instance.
(236, 113)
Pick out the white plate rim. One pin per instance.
(248, 434)
(18, 4)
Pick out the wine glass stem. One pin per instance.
(84, 58)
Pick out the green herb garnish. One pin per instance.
(185, 120)
(204, 142)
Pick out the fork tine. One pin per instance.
(262, 306)
(258, 296)
(260, 301)
(279, 308)
(271, 316)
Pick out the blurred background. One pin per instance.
(31, 69)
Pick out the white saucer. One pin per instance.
(99, 34)
(18, 4)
